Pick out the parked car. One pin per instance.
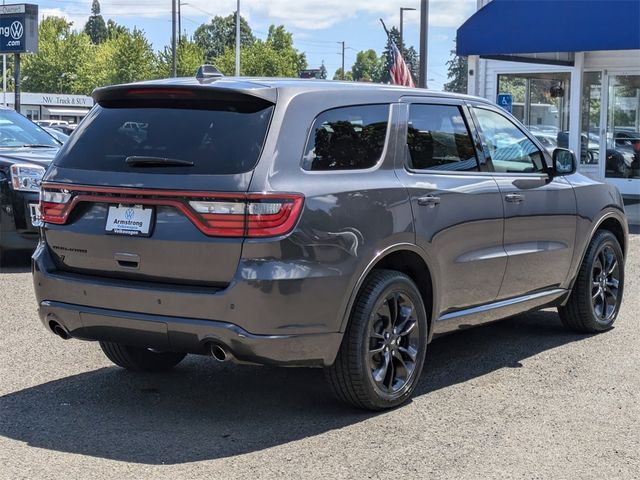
(25, 152)
(327, 224)
(51, 122)
(57, 134)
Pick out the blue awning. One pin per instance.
(505, 27)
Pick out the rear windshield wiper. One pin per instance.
(144, 161)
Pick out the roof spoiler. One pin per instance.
(208, 71)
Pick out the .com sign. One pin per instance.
(19, 28)
(15, 31)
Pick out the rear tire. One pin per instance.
(382, 353)
(597, 292)
(140, 359)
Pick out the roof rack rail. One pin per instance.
(208, 71)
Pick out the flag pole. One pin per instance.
(385, 29)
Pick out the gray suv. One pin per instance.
(311, 223)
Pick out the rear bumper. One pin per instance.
(189, 335)
(257, 321)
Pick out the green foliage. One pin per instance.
(126, 57)
(189, 56)
(457, 68)
(410, 56)
(368, 67)
(338, 75)
(275, 57)
(95, 26)
(323, 72)
(63, 63)
(220, 33)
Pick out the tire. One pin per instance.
(140, 359)
(371, 341)
(595, 300)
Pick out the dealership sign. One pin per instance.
(19, 28)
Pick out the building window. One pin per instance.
(541, 102)
(33, 114)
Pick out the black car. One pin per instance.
(25, 152)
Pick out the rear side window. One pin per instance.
(438, 139)
(223, 139)
(347, 138)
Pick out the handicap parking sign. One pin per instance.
(505, 100)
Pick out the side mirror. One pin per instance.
(564, 162)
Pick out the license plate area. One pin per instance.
(34, 213)
(129, 220)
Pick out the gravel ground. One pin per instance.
(515, 399)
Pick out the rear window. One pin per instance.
(347, 138)
(223, 139)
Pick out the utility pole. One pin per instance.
(16, 102)
(342, 43)
(174, 69)
(238, 40)
(179, 21)
(402, 10)
(424, 40)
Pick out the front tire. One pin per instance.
(140, 359)
(597, 293)
(383, 350)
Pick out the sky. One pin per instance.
(317, 26)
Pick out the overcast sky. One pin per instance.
(317, 25)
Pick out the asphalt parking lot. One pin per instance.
(520, 398)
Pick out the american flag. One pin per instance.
(400, 73)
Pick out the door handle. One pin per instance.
(428, 201)
(514, 198)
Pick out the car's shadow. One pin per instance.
(204, 410)
(15, 262)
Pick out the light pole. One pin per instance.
(173, 39)
(402, 10)
(238, 40)
(424, 40)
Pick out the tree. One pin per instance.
(338, 75)
(114, 29)
(457, 68)
(220, 33)
(274, 57)
(64, 62)
(189, 56)
(95, 26)
(323, 71)
(368, 67)
(410, 56)
(126, 57)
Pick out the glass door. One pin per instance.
(622, 135)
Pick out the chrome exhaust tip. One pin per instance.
(59, 330)
(219, 353)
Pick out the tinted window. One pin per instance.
(508, 149)
(438, 139)
(224, 139)
(16, 131)
(347, 138)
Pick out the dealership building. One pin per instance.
(41, 106)
(570, 71)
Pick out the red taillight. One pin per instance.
(251, 215)
(255, 215)
(54, 205)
